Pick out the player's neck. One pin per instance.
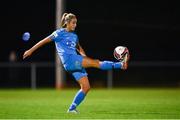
(68, 30)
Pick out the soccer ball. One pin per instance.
(120, 52)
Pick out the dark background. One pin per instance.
(149, 29)
(19, 16)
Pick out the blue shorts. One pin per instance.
(74, 66)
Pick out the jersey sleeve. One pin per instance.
(53, 36)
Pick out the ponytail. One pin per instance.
(63, 24)
(66, 17)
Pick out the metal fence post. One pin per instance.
(33, 76)
(110, 79)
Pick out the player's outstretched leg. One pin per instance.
(80, 95)
(105, 65)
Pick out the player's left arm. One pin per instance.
(80, 50)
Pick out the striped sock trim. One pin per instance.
(74, 104)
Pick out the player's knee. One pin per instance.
(97, 61)
(85, 88)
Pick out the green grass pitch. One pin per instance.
(131, 103)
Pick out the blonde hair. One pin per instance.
(66, 18)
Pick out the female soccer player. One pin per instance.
(67, 45)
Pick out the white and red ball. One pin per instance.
(120, 52)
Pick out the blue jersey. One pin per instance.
(65, 43)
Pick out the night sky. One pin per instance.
(36, 17)
(149, 29)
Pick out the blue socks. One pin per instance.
(109, 65)
(80, 95)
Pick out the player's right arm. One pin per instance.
(36, 46)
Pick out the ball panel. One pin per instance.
(120, 52)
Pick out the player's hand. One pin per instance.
(27, 54)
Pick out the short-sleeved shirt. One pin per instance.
(66, 47)
(65, 43)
